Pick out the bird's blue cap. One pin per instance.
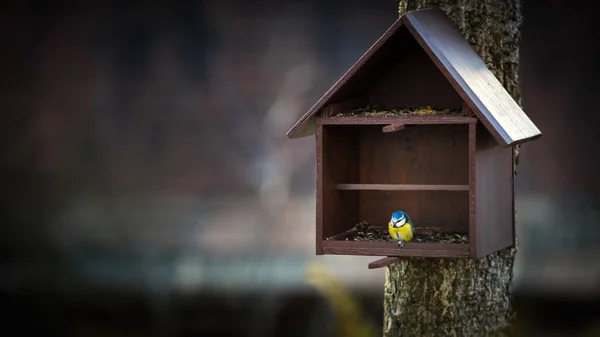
(398, 215)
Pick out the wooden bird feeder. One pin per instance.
(419, 124)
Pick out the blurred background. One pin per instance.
(148, 187)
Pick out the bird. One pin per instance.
(401, 228)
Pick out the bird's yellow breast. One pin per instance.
(403, 233)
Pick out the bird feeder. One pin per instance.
(418, 124)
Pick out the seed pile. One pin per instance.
(379, 111)
(362, 231)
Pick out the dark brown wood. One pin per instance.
(387, 72)
(410, 249)
(420, 155)
(472, 188)
(413, 80)
(467, 72)
(319, 188)
(402, 187)
(466, 110)
(352, 104)
(513, 222)
(408, 120)
(393, 127)
(445, 209)
(338, 165)
(493, 195)
(384, 262)
(451, 172)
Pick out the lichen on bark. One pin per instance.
(458, 297)
(448, 297)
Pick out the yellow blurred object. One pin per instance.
(351, 320)
(593, 330)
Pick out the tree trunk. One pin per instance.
(441, 297)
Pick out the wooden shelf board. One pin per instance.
(401, 187)
(410, 249)
(406, 120)
(384, 262)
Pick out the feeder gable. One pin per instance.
(443, 43)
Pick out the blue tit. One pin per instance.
(401, 228)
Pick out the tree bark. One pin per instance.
(458, 297)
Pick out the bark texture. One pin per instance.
(459, 297)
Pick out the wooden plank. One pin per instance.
(319, 183)
(466, 110)
(385, 64)
(386, 261)
(413, 79)
(339, 107)
(402, 187)
(512, 193)
(472, 189)
(393, 127)
(392, 250)
(493, 195)
(475, 83)
(406, 120)
(338, 165)
(423, 155)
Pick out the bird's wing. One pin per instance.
(412, 226)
